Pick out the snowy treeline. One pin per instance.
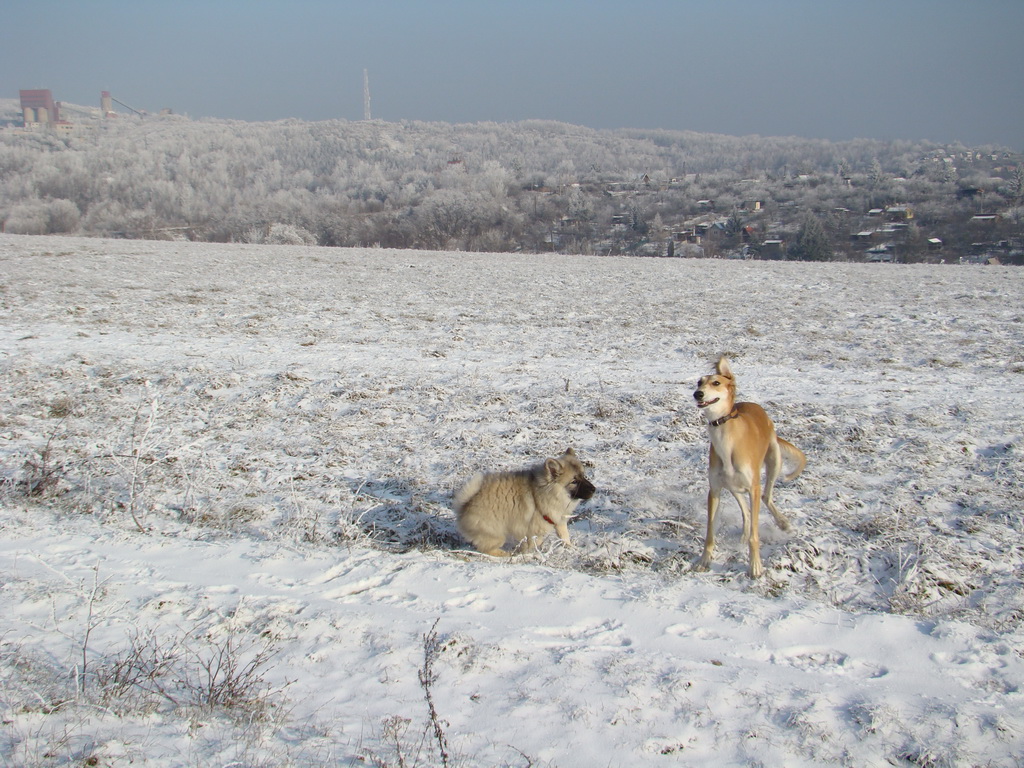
(489, 187)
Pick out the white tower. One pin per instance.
(366, 95)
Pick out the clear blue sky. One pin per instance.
(943, 70)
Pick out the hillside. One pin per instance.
(531, 186)
(226, 533)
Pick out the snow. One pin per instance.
(255, 447)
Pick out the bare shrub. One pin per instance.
(131, 679)
(408, 750)
(191, 672)
(432, 648)
(43, 471)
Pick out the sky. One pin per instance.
(939, 70)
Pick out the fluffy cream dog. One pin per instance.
(521, 508)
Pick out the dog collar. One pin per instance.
(719, 422)
(548, 519)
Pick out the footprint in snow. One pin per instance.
(608, 631)
(474, 601)
(826, 660)
(357, 587)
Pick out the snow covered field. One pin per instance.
(226, 536)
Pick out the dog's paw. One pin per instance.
(756, 569)
(703, 565)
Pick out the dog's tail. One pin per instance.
(468, 491)
(794, 456)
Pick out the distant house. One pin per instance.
(690, 235)
(882, 253)
(981, 258)
(934, 244)
(751, 205)
(899, 213)
(773, 249)
(894, 228)
(985, 218)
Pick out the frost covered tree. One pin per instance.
(280, 234)
(1017, 183)
(812, 242)
(27, 218)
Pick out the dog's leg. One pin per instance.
(773, 468)
(743, 499)
(494, 552)
(714, 495)
(562, 529)
(490, 545)
(525, 545)
(749, 507)
(754, 540)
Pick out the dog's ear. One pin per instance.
(570, 452)
(553, 468)
(722, 368)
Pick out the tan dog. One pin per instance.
(521, 507)
(742, 440)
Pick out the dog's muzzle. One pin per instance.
(701, 403)
(581, 489)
